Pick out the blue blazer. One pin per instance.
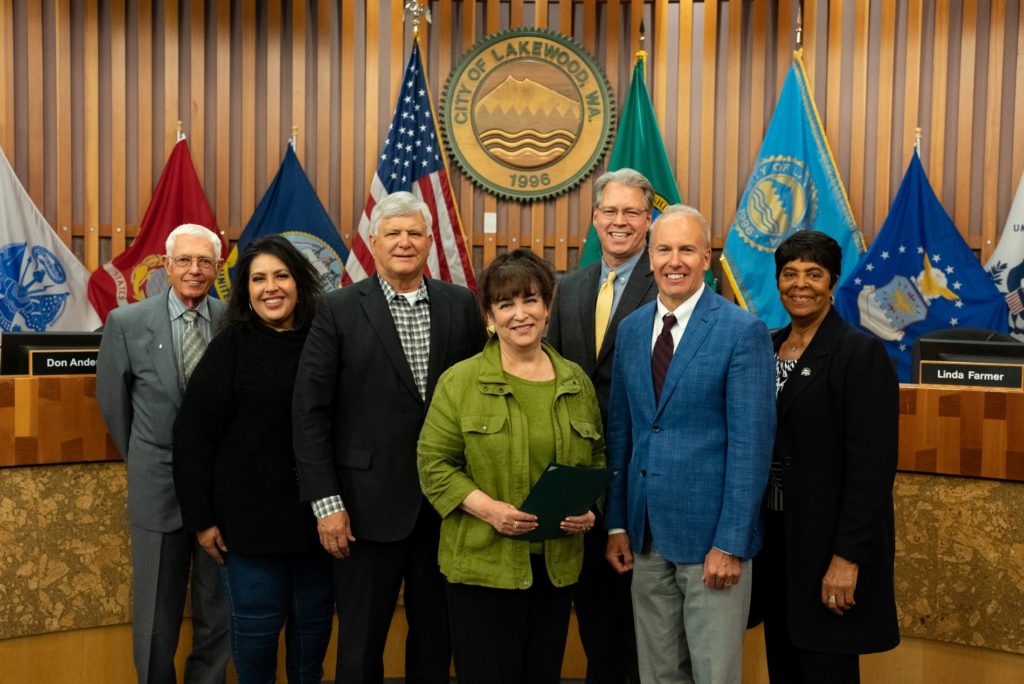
(697, 462)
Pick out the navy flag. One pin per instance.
(290, 207)
(919, 275)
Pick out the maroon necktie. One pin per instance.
(661, 357)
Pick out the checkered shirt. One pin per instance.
(413, 325)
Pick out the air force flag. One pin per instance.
(43, 286)
(1006, 265)
(794, 186)
(918, 276)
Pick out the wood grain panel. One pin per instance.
(248, 69)
(298, 82)
(276, 134)
(196, 102)
(323, 101)
(757, 76)
(936, 137)
(144, 105)
(7, 136)
(92, 134)
(785, 42)
(883, 114)
(858, 118)
(62, 114)
(612, 50)
(1018, 102)
(118, 153)
(912, 84)
(34, 46)
(707, 111)
(347, 114)
(660, 73)
(223, 104)
(684, 97)
(172, 113)
(834, 87)
(810, 39)
(732, 113)
(993, 121)
(965, 117)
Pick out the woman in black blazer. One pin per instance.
(827, 564)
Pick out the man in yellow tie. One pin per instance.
(588, 307)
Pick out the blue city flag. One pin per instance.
(795, 185)
(918, 276)
(290, 207)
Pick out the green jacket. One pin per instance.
(474, 437)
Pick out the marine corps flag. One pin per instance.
(794, 186)
(138, 272)
(1006, 265)
(918, 276)
(290, 207)
(412, 159)
(42, 284)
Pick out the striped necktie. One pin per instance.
(661, 357)
(192, 344)
(603, 310)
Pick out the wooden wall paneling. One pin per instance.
(371, 113)
(1018, 104)
(912, 83)
(196, 103)
(298, 77)
(347, 113)
(7, 136)
(993, 121)
(248, 68)
(936, 137)
(491, 22)
(785, 43)
(585, 195)
(636, 17)
(518, 234)
(472, 230)
(707, 117)
(34, 56)
(223, 125)
(965, 118)
(810, 40)
(884, 113)
(562, 228)
(118, 104)
(323, 102)
(92, 134)
(612, 52)
(399, 54)
(62, 113)
(732, 114)
(858, 114)
(538, 223)
(276, 134)
(684, 97)
(172, 111)
(757, 75)
(660, 72)
(833, 83)
(144, 108)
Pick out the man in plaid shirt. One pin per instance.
(365, 379)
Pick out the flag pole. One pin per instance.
(179, 135)
(917, 141)
(294, 140)
(800, 27)
(641, 54)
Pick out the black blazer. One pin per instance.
(837, 438)
(571, 331)
(356, 411)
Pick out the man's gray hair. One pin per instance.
(628, 177)
(684, 210)
(195, 230)
(400, 203)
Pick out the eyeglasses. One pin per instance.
(611, 213)
(184, 261)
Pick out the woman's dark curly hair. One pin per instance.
(307, 283)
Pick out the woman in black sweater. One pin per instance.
(234, 468)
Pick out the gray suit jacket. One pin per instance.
(138, 393)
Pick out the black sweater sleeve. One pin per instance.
(199, 430)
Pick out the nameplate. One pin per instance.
(967, 374)
(62, 361)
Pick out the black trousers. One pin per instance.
(366, 586)
(510, 636)
(787, 663)
(604, 611)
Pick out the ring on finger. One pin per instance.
(515, 524)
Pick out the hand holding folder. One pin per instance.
(562, 491)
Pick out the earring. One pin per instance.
(490, 329)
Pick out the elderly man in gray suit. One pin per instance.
(148, 351)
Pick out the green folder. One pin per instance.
(562, 491)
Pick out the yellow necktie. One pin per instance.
(603, 311)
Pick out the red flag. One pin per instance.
(413, 160)
(139, 271)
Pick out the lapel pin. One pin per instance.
(805, 372)
(160, 346)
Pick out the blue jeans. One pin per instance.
(270, 591)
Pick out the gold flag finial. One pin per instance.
(800, 27)
(917, 141)
(293, 141)
(416, 10)
(179, 134)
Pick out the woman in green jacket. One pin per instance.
(495, 423)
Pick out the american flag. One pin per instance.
(413, 160)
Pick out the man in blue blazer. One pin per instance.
(691, 420)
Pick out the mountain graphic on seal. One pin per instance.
(525, 124)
